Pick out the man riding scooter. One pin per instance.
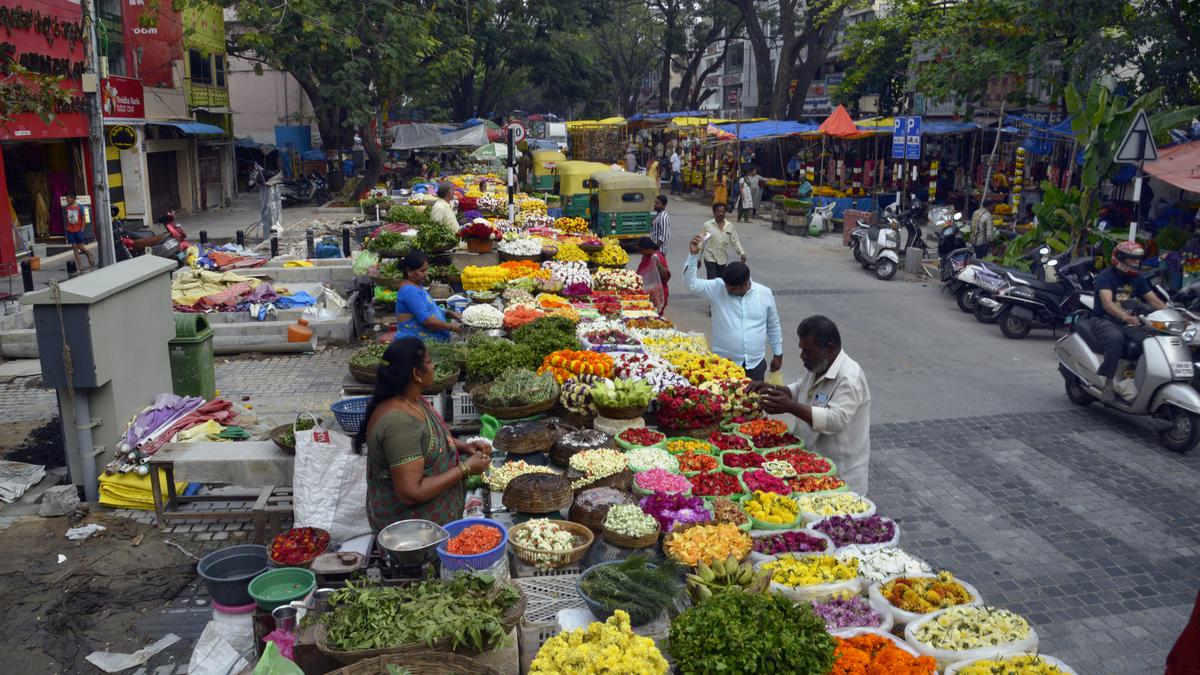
(1112, 324)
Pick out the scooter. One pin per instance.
(878, 246)
(1163, 373)
(308, 188)
(978, 279)
(1030, 303)
(171, 244)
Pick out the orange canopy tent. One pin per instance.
(1178, 165)
(840, 125)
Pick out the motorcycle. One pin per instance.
(133, 242)
(1029, 303)
(1163, 373)
(308, 188)
(878, 246)
(978, 279)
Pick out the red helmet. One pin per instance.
(1126, 251)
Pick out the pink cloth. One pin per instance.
(217, 409)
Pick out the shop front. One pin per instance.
(42, 163)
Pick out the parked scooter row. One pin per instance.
(309, 188)
(879, 246)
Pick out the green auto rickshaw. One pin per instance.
(573, 182)
(544, 162)
(623, 205)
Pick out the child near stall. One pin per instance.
(74, 227)
(654, 272)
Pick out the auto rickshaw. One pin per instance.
(623, 205)
(573, 182)
(544, 162)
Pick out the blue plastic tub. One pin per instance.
(351, 413)
(481, 561)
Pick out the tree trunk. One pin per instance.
(374, 160)
(783, 79)
(329, 126)
(668, 52)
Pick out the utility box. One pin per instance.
(115, 324)
(193, 368)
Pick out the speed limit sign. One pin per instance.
(518, 131)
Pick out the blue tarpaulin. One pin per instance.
(749, 131)
(1040, 135)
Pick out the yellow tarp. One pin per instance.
(188, 286)
(592, 124)
(298, 263)
(686, 122)
(131, 491)
(200, 432)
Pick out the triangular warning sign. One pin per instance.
(1138, 144)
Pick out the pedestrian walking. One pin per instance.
(676, 169)
(654, 272)
(744, 315)
(719, 240)
(74, 215)
(831, 403)
(660, 229)
(630, 160)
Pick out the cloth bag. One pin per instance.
(330, 484)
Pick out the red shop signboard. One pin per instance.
(122, 99)
(45, 37)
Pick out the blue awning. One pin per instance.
(194, 128)
(768, 128)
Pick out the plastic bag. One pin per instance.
(652, 283)
(330, 484)
(847, 633)
(274, 663)
(947, 656)
(775, 377)
(363, 261)
(903, 618)
(891, 543)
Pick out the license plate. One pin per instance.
(1183, 369)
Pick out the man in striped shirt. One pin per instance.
(661, 228)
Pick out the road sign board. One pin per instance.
(899, 126)
(518, 131)
(1138, 144)
(913, 138)
(122, 137)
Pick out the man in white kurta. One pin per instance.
(832, 402)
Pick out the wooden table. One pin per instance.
(251, 464)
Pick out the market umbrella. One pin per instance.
(840, 125)
(493, 151)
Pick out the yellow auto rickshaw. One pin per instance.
(544, 162)
(622, 205)
(573, 182)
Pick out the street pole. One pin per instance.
(512, 207)
(1137, 202)
(102, 218)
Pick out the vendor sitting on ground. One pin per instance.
(415, 468)
(417, 315)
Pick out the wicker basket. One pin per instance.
(538, 493)
(364, 374)
(480, 392)
(443, 385)
(620, 481)
(390, 283)
(526, 438)
(592, 517)
(627, 413)
(564, 449)
(623, 541)
(419, 663)
(583, 541)
(591, 248)
(509, 620)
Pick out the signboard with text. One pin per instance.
(913, 138)
(122, 98)
(899, 127)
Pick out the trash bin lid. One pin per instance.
(190, 325)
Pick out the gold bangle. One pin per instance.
(466, 470)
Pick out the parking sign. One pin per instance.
(913, 138)
(899, 131)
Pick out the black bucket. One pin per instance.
(227, 573)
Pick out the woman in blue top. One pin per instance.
(417, 315)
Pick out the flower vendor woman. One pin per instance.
(415, 468)
(417, 315)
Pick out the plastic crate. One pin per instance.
(545, 596)
(523, 570)
(464, 409)
(437, 402)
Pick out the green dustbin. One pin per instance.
(193, 371)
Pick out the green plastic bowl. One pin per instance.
(277, 587)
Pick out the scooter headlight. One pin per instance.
(1168, 327)
(1189, 334)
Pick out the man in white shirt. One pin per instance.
(832, 402)
(630, 160)
(744, 315)
(442, 212)
(676, 168)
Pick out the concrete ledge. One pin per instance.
(19, 344)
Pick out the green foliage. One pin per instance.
(746, 633)
(640, 586)
(488, 363)
(1171, 238)
(408, 215)
(546, 335)
(24, 91)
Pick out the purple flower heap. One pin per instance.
(675, 509)
(847, 613)
(846, 530)
(789, 542)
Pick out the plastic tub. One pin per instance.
(479, 561)
(227, 573)
(280, 586)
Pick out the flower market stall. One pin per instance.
(641, 512)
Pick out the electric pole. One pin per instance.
(101, 216)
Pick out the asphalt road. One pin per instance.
(924, 358)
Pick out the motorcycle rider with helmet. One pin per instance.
(1112, 324)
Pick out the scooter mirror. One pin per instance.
(958, 215)
(1052, 263)
(1045, 250)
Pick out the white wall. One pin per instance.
(135, 180)
(262, 102)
